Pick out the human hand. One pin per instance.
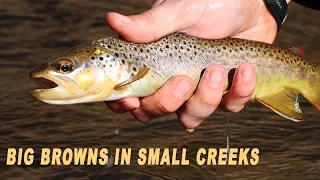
(209, 19)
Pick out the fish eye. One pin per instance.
(64, 68)
(64, 65)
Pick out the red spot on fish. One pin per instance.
(279, 59)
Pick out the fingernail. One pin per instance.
(183, 88)
(122, 19)
(190, 130)
(216, 78)
(246, 75)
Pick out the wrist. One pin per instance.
(278, 9)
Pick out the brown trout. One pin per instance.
(113, 68)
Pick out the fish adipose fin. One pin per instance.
(284, 103)
(142, 72)
(298, 50)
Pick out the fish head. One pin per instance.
(76, 76)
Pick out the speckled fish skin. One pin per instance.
(282, 74)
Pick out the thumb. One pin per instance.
(148, 26)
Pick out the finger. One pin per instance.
(243, 86)
(123, 105)
(206, 99)
(157, 22)
(166, 100)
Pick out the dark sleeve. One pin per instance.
(313, 4)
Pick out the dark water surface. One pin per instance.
(32, 31)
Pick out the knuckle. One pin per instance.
(210, 103)
(241, 94)
(165, 109)
(150, 19)
(148, 16)
(142, 118)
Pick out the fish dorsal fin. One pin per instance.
(284, 103)
(298, 50)
(141, 73)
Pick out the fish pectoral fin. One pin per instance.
(298, 50)
(141, 73)
(285, 103)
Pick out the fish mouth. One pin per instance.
(46, 83)
(48, 86)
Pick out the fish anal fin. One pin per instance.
(298, 50)
(141, 73)
(285, 103)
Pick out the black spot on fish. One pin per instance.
(101, 58)
(92, 58)
(109, 46)
(134, 69)
(167, 46)
(123, 61)
(141, 50)
(116, 54)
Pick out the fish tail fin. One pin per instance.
(313, 93)
(286, 101)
